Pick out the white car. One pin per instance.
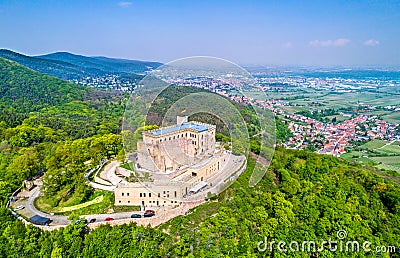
(20, 207)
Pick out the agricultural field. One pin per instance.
(392, 117)
(305, 98)
(391, 163)
(381, 153)
(374, 144)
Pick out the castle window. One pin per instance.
(129, 201)
(175, 194)
(122, 194)
(144, 194)
(119, 201)
(149, 194)
(159, 194)
(127, 194)
(140, 194)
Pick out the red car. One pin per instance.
(149, 212)
(109, 219)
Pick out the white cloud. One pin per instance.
(341, 42)
(371, 43)
(124, 4)
(287, 45)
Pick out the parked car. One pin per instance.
(92, 220)
(150, 212)
(136, 216)
(148, 215)
(20, 207)
(109, 219)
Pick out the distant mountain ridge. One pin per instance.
(103, 63)
(69, 66)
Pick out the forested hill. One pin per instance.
(69, 66)
(39, 113)
(23, 90)
(51, 126)
(103, 63)
(303, 197)
(60, 69)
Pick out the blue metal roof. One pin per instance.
(198, 127)
(39, 220)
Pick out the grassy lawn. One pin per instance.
(96, 200)
(128, 166)
(105, 206)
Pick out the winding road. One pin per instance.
(56, 219)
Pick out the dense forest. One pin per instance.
(47, 124)
(62, 129)
(303, 197)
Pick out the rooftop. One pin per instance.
(187, 125)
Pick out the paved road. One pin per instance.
(63, 220)
(56, 219)
(233, 163)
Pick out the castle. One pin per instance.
(182, 159)
(170, 148)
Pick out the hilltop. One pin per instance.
(103, 63)
(69, 66)
(59, 127)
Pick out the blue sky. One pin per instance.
(245, 32)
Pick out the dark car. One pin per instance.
(109, 219)
(148, 215)
(136, 216)
(92, 220)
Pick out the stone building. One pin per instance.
(183, 158)
(169, 148)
